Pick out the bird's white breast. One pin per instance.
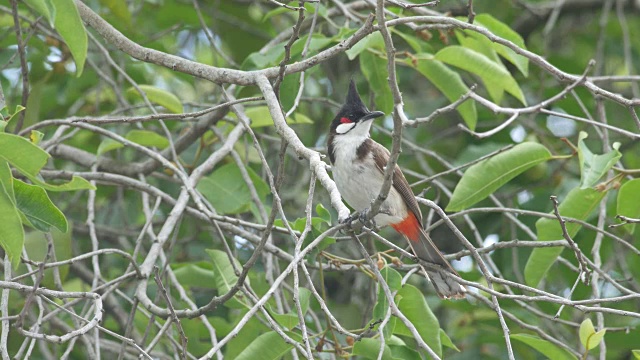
(359, 181)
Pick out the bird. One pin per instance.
(358, 164)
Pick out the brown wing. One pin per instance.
(381, 157)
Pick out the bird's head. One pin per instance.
(353, 118)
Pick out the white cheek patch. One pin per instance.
(344, 128)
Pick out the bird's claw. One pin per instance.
(348, 220)
(363, 218)
(360, 217)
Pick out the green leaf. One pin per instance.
(449, 83)
(413, 305)
(107, 145)
(593, 167)
(119, 9)
(596, 338)
(36, 136)
(318, 225)
(11, 231)
(251, 331)
(479, 43)
(586, 330)
(225, 277)
(227, 191)
(69, 25)
(324, 214)
(277, 11)
(446, 341)
(147, 138)
(374, 69)
(636, 354)
(19, 109)
(494, 76)
(394, 340)
(370, 348)
(260, 116)
(76, 183)
(413, 41)
(35, 204)
(548, 349)
(628, 200)
(44, 8)
(260, 61)
(37, 245)
(404, 352)
(325, 243)
(199, 274)
(485, 177)
(300, 118)
(291, 320)
(158, 96)
(317, 43)
(394, 281)
(311, 9)
(504, 31)
(6, 181)
(305, 297)
(578, 204)
(343, 33)
(268, 346)
(371, 41)
(289, 90)
(21, 153)
(196, 332)
(29, 159)
(589, 338)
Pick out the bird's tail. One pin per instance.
(446, 287)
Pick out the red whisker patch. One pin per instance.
(345, 120)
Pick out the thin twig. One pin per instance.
(287, 47)
(172, 311)
(390, 299)
(530, 109)
(472, 14)
(585, 272)
(454, 105)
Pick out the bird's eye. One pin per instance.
(345, 120)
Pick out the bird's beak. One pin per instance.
(372, 115)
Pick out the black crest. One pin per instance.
(354, 102)
(353, 110)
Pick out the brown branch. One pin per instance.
(172, 311)
(585, 272)
(472, 14)
(287, 48)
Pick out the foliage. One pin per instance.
(163, 184)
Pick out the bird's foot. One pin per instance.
(359, 217)
(364, 219)
(348, 220)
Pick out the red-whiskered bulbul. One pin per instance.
(358, 170)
